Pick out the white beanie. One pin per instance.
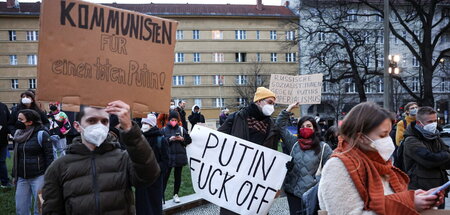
(151, 120)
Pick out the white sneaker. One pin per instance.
(176, 199)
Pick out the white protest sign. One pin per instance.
(305, 89)
(234, 173)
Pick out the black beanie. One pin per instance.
(174, 114)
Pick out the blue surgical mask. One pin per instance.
(413, 112)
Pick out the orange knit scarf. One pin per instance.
(366, 170)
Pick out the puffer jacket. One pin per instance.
(306, 163)
(99, 181)
(177, 149)
(31, 158)
(425, 160)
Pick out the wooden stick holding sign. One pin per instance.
(233, 173)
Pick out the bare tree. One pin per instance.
(428, 44)
(248, 81)
(339, 48)
(335, 96)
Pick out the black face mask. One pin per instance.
(53, 108)
(20, 125)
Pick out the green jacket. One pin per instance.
(99, 182)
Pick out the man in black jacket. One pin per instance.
(180, 110)
(426, 157)
(253, 123)
(196, 116)
(4, 118)
(95, 176)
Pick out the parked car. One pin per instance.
(446, 130)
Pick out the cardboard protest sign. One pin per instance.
(233, 173)
(92, 54)
(305, 89)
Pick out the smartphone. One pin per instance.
(441, 188)
(177, 134)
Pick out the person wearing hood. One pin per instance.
(196, 116)
(426, 156)
(33, 154)
(178, 138)
(411, 111)
(223, 116)
(163, 118)
(149, 198)
(27, 101)
(254, 123)
(96, 176)
(59, 127)
(307, 151)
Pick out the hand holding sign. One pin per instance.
(291, 106)
(122, 110)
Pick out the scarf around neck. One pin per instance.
(23, 135)
(305, 144)
(366, 170)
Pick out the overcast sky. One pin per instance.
(265, 2)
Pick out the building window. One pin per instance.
(325, 87)
(179, 57)
(378, 18)
(258, 57)
(273, 35)
(32, 59)
(273, 57)
(13, 60)
(415, 84)
(415, 62)
(351, 16)
(196, 57)
(32, 35)
(381, 61)
(177, 80)
(379, 36)
(368, 87)
(218, 57)
(290, 57)
(32, 83)
(198, 102)
(290, 35)
(218, 80)
(350, 86)
(196, 34)
(12, 35)
(258, 35)
(197, 79)
(241, 57)
(14, 84)
(240, 34)
(366, 13)
(380, 85)
(321, 36)
(241, 79)
(180, 35)
(218, 102)
(242, 101)
(405, 35)
(217, 35)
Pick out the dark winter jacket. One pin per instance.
(160, 148)
(306, 163)
(195, 118)
(237, 125)
(15, 113)
(182, 117)
(32, 159)
(222, 118)
(4, 118)
(177, 149)
(425, 160)
(99, 182)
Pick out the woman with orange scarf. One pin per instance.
(360, 178)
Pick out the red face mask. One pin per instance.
(173, 123)
(306, 132)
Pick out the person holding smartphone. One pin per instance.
(178, 138)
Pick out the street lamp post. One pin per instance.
(387, 96)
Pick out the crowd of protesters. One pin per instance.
(86, 162)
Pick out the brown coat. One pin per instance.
(99, 182)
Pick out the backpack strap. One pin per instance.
(181, 128)
(40, 136)
(159, 141)
(404, 123)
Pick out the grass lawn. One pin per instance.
(186, 184)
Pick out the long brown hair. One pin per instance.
(362, 119)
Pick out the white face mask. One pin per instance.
(384, 146)
(95, 134)
(172, 107)
(145, 127)
(431, 127)
(268, 109)
(413, 112)
(26, 101)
